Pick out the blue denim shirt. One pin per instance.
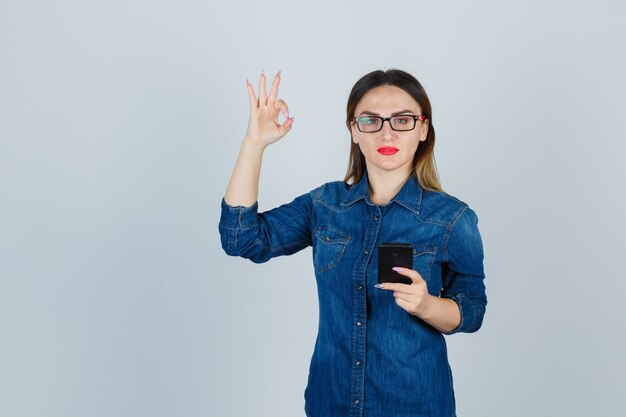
(371, 357)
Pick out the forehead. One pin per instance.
(386, 99)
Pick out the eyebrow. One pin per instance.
(371, 113)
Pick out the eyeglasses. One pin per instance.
(401, 123)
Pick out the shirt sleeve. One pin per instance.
(463, 273)
(257, 236)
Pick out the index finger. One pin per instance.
(274, 89)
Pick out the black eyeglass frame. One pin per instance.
(419, 117)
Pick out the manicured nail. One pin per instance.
(397, 268)
(378, 285)
(247, 82)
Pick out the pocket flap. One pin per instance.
(330, 235)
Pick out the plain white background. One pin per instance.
(120, 123)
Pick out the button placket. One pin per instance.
(360, 313)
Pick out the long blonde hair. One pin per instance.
(424, 158)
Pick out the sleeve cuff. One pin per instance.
(239, 217)
(462, 302)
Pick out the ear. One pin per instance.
(353, 130)
(424, 130)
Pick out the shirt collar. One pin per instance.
(409, 196)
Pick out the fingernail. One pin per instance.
(247, 82)
(263, 73)
(292, 118)
(278, 74)
(397, 268)
(378, 285)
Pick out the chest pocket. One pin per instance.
(328, 246)
(423, 258)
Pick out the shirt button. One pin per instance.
(358, 363)
(365, 251)
(359, 287)
(375, 218)
(356, 401)
(358, 323)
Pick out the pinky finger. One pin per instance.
(405, 305)
(253, 100)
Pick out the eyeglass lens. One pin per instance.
(374, 123)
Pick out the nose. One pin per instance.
(386, 132)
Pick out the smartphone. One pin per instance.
(394, 254)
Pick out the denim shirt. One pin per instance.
(371, 357)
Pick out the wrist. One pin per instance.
(253, 145)
(428, 307)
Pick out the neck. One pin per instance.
(384, 185)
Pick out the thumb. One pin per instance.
(286, 126)
(414, 275)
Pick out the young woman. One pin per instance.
(380, 349)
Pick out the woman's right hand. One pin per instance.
(263, 126)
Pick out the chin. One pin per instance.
(389, 167)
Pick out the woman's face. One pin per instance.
(388, 149)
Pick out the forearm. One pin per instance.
(243, 187)
(442, 313)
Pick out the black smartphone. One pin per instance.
(394, 254)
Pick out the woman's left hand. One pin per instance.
(414, 297)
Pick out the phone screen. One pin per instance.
(394, 254)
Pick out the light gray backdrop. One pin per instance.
(120, 123)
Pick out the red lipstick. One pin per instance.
(387, 150)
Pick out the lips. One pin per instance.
(387, 150)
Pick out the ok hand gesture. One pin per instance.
(263, 126)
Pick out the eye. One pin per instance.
(367, 120)
(402, 120)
